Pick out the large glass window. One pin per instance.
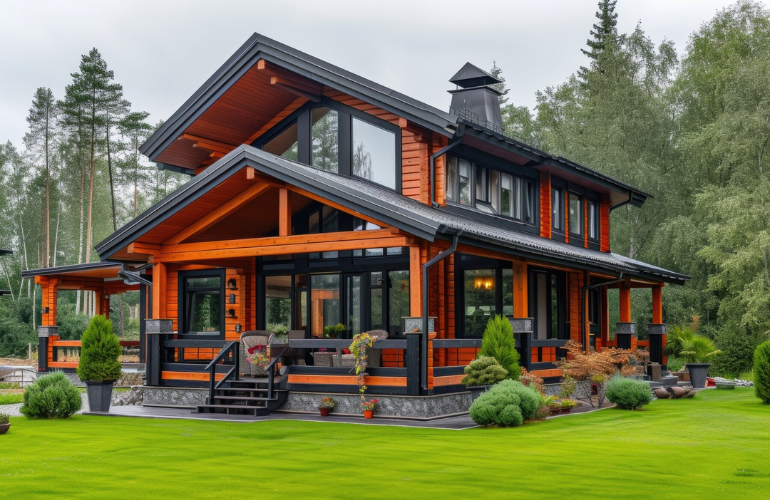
(284, 144)
(325, 302)
(324, 137)
(374, 153)
(464, 180)
(451, 180)
(398, 300)
(480, 299)
(547, 304)
(575, 215)
(324, 220)
(278, 303)
(593, 221)
(202, 305)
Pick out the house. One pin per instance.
(318, 197)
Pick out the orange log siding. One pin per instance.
(545, 205)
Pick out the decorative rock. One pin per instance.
(661, 393)
(135, 396)
(678, 392)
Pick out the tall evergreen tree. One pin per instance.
(40, 142)
(603, 32)
(135, 130)
(500, 87)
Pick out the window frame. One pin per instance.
(470, 262)
(581, 206)
(487, 198)
(182, 306)
(595, 199)
(563, 332)
(344, 137)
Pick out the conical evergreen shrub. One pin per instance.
(498, 342)
(99, 352)
(762, 372)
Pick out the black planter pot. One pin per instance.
(99, 395)
(698, 373)
(4, 428)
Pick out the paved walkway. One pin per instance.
(451, 423)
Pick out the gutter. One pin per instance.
(433, 169)
(425, 302)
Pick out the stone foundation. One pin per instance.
(422, 407)
(174, 396)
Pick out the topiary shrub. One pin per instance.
(628, 393)
(5, 419)
(484, 371)
(507, 404)
(99, 352)
(762, 372)
(51, 396)
(498, 342)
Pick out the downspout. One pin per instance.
(425, 302)
(433, 170)
(586, 288)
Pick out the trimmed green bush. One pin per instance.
(5, 419)
(507, 404)
(628, 393)
(99, 352)
(484, 371)
(498, 342)
(51, 396)
(762, 372)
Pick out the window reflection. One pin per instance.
(324, 139)
(374, 153)
(284, 144)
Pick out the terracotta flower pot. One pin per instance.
(4, 428)
(368, 413)
(555, 411)
(324, 411)
(564, 411)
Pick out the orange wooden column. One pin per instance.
(625, 302)
(415, 282)
(284, 213)
(657, 304)
(159, 278)
(520, 290)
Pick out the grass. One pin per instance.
(713, 446)
(9, 399)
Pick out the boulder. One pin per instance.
(661, 393)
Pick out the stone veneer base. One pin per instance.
(174, 396)
(411, 407)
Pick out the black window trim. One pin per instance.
(182, 302)
(563, 332)
(470, 262)
(345, 136)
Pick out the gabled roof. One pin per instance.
(381, 204)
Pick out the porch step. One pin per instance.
(240, 404)
(244, 398)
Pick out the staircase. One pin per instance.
(247, 396)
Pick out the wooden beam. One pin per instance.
(520, 290)
(341, 208)
(286, 249)
(141, 248)
(415, 282)
(159, 285)
(625, 303)
(209, 144)
(284, 212)
(219, 214)
(291, 108)
(657, 304)
(294, 88)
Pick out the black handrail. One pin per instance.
(271, 370)
(231, 349)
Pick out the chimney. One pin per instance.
(474, 100)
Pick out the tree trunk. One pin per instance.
(112, 184)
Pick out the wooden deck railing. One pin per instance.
(71, 356)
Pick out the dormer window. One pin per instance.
(576, 220)
(494, 192)
(374, 153)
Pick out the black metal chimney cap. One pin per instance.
(472, 76)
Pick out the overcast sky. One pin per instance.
(162, 51)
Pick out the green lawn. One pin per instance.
(714, 446)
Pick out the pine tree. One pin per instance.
(135, 129)
(40, 142)
(601, 32)
(115, 107)
(500, 87)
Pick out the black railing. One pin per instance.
(271, 368)
(230, 350)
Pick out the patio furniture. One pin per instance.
(374, 356)
(323, 358)
(249, 340)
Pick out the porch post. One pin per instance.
(284, 212)
(142, 326)
(47, 331)
(413, 344)
(625, 329)
(521, 322)
(158, 330)
(657, 328)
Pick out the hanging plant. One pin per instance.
(360, 348)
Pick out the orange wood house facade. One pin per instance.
(318, 198)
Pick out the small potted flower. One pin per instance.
(567, 405)
(326, 406)
(368, 407)
(258, 357)
(5, 423)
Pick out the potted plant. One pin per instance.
(258, 357)
(5, 423)
(326, 406)
(368, 407)
(334, 331)
(567, 405)
(99, 367)
(554, 406)
(695, 351)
